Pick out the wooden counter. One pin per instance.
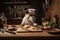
(26, 34)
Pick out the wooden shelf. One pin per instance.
(15, 2)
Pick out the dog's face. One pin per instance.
(27, 15)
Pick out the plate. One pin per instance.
(54, 31)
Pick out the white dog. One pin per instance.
(28, 20)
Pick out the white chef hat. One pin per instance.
(31, 10)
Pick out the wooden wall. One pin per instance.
(54, 9)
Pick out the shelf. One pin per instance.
(15, 2)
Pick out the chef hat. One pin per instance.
(31, 10)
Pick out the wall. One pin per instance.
(54, 9)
